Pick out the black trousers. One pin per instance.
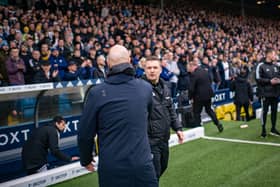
(238, 110)
(160, 153)
(273, 103)
(197, 109)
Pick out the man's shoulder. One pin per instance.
(143, 84)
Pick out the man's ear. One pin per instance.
(108, 63)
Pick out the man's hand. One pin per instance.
(91, 166)
(75, 158)
(275, 81)
(180, 135)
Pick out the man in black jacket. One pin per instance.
(268, 80)
(162, 117)
(117, 110)
(42, 139)
(201, 92)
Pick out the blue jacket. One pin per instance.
(117, 111)
(71, 76)
(59, 63)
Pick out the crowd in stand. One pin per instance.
(61, 40)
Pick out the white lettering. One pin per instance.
(75, 122)
(24, 132)
(67, 127)
(5, 138)
(220, 97)
(231, 95)
(14, 137)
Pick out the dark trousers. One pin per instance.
(197, 109)
(273, 103)
(238, 110)
(128, 177)
(160, 157)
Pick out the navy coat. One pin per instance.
(117, 111)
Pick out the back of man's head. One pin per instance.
(118, 55)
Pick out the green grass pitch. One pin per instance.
(209, 163)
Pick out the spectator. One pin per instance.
(173, 68)
(32, 67)
(46, 74)
(58, 62)
(74, 72)
(45, 52)
(4, 79)
(77, 57)
(101, 70)
(15, 68)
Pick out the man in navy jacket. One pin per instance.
(117, 111)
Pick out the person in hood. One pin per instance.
(243, 92)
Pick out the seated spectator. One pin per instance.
(46, 74)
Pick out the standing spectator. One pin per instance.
(225, 71)
(45, 138)
(46, 74)
(32, 67)
(268, 80)
(162, 117)
(183, 78)
(4, 54)
(45, 52)
(77, 57)
(173, 67)
(101, 70)
(63, 51)
(15, 68)
(201, 93)
(243, 93)
(74, 72)
(124, 152)
(58, 62)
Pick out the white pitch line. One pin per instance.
(241, 141)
